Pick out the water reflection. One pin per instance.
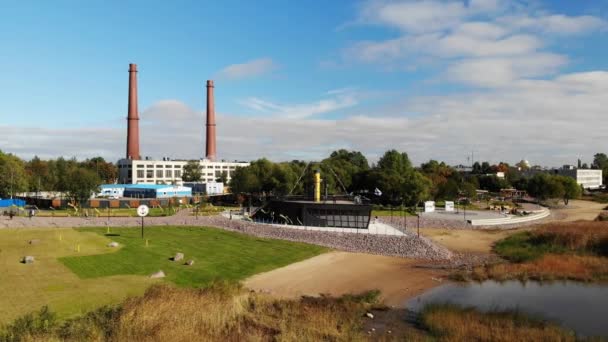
(581, 307)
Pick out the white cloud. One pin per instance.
(248, 69)
(415, 16)
(338, 99)
(556, 23)
(549, 122)
(495, 72)
(464, 37)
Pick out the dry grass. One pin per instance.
(223, 312)
(452, 323)
(576, 236)
(548, 267)
(226, 312)
(564, 251)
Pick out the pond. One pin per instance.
(577, 306)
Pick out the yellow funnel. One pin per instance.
(317, 186)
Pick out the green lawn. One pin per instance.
(73, 282)
(114, 212)
(394, 213)
(217, 254)
(26, 288)
(521, 247)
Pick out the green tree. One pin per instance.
(344, 168)
(485, 167)
(393, 161)
(544, 186)
(416, 188)
(39, 175)
(440, 174)
(571, 188)
(263, 177)
(223, 178)
(600, 161)
(13, 178)
(81, 183)
(244, 181)
(192, 171)
(476, 168)
(107, 172)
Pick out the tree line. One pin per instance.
(77, 179)
(343, 172)
(399, 182)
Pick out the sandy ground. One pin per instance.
(578, 210)
(467, 241)
(481, 241)
(338, 273)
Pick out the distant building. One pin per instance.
(212, 188)
(463, 168)
(587, 178)
(143, 191)
(168, 171)
(112, 190)
(157, 191)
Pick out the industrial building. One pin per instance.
(588, 178)
(170, 171)
(135, 170)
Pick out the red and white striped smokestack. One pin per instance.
(211, 152)
(133, 117)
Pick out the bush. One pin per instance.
(30, 326)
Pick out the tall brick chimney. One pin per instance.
(210, 152)
(133, 117)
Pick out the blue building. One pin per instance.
(156, 191)
(144, 191)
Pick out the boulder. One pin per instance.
(28, 259)
(34, 241)
(178, 257)
(190, 262)
(113, 244)
(370, 315)
(159, 274)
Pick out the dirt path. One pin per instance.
(482, 240)
(578, 210)
(467, 241)
(338, 273)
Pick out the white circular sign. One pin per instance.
(143, 210)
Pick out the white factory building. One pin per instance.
(587, 178)
(168, 171)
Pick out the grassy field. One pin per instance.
(388, 213)
(73, 282)
(217, 254)
(116, 212)
(573, 250)
(27, 287)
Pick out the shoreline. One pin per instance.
(337, 273)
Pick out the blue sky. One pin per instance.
(296, 79)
